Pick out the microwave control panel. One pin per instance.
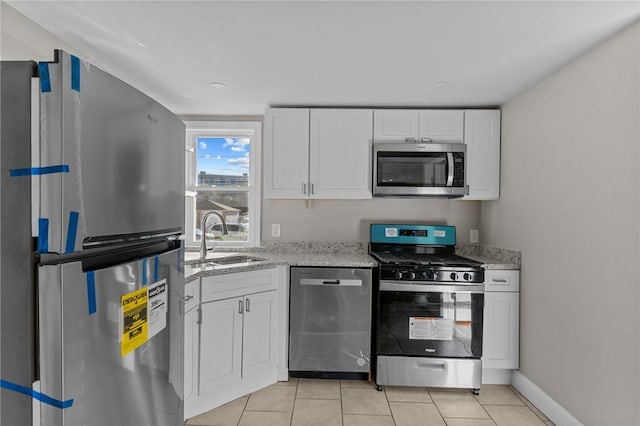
(458, 169)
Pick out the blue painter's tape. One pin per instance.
(75, 73)
(43, 235)
(45, 82)
(144, 271)
(72, 229)
(91, 292)
(156, 269)
(35, 394)
(33, 171)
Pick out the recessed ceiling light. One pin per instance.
(440, 84)
(217, 85)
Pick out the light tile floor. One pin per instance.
(311, 402)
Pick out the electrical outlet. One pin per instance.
(275, 230)
(474, 236)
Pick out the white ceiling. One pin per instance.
(329, 53)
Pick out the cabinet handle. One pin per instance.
(247, 305)
(240, 306)
(187, 298)
(426, 140)
(304, 188)
(313, 188)
(411, 140)
(199, 319)
(499, 280)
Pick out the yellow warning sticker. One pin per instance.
(134, 320)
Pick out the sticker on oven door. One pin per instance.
(439, 233)
(429, 328)
(391, 232)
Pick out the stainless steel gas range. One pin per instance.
(428, 310)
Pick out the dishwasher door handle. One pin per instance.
(325, 281)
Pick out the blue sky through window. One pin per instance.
(225, 156)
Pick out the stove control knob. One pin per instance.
(467, 276)
(399, 275)
(412, 275)
(434, 276)
(453, 276)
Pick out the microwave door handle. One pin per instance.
(450, 168)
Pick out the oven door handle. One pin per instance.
(430, 288)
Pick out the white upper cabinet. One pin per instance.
(482, 137)
(340, 153)
(400, 125)
(395, 125)
(286, 153)
(442, 126)
(318, 153)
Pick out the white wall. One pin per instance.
(569, 201)
(22, 39)
(341, 220)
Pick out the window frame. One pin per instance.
(224, 129)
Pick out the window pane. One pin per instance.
(232, 205)
(223, 183)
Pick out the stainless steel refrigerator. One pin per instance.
(100, 287)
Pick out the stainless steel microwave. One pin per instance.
(419, 169)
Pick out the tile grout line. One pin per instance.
(436, 405)
(341, 405)
(295, 399)
(393, 419)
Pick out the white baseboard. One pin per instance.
(549, 407)
(495, 376)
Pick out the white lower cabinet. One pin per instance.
(237, 338)
(500, 342)
(239, 341)
(191, 303)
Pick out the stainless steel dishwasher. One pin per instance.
(330, 322)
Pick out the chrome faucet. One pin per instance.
(203, 246)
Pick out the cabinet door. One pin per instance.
(260, 335)
(190, 353)
(445, 126)
(286, 153)
(500, 330)
(220, 344)
(340, 153)
(395, 125)
(482, 137)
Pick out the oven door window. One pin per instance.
(419, 169)
(430, 324)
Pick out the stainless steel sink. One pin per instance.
(235, 259)
(227, 260)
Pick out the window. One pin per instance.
(223, 176)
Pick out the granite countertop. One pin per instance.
(491, 263)
(348, 255)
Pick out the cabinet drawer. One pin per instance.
(501, 280)
(191, 294)
(218, 287)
